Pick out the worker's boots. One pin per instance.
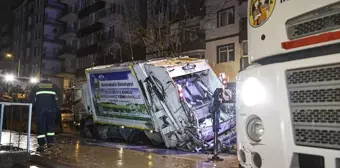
(41, 149)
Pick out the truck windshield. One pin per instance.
(196, 90)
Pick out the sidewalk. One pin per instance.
(79, 154)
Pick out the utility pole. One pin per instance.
(19, 67)
(9, 55)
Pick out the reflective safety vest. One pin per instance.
(45, 95)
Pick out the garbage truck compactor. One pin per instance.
(167, 100)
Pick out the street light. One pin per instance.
(9, 77)
(33, 80)
(9, 55)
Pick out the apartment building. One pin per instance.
(7, 65)
(215, 30)
(36, 31)
(104, 33)
(67, 53)
(226, 36)
(61, 38)
(175, 28)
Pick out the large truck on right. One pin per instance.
(288, 99)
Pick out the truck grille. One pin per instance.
(314, 95)
(314, 22)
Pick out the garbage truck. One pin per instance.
(288, 99)
(167, 101)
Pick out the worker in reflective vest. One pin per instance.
(46, 99)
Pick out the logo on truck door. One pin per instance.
(260, 11)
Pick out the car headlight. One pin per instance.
(252, 92)
(255, 129)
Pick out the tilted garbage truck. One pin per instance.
(166, 100)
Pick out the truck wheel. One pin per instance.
(125, 133)
(86, 130)
(139, 137)
(102, 132)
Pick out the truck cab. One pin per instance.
(288, 98)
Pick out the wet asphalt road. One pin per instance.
(82, 153)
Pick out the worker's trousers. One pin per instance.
(46, 125)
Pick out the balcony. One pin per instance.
(69, 34)
(51, 56)
(54, 4)
(67, 72)
(70, 15)
(91, 9)
(29, 27)
(243, 34)
(53, 39)
(90, 29)
(198, 44)
(68, 2)
(106, 14)
(85, 51)
(192, 41)
(53, 21)
(67, 52)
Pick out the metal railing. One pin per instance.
(3, 104)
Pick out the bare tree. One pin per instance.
(169, 23)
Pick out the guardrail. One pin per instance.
(3, 105)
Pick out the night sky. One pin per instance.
(6, 7)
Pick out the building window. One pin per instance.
(113, 8)
(225, 53)
(226, 17)
(245, 47)
(37, 18)
(37, 35)
(34, 51)
(190, 33)
(28, 36)
(29, 21)
(73, 63)
(244, 63)
(40, 17)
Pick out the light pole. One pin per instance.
(9, 55)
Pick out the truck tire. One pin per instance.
(102, 132)
(138, 137)
(155, 138)
(87, 129)
(125, 133)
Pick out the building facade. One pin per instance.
(175, 28)
(105, 33)
(214, 30)
(36, 29)
(226, 36)
(61, 38)
(7, 65)
(67, 53)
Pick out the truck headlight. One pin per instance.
(252, 92)
(255, 129)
